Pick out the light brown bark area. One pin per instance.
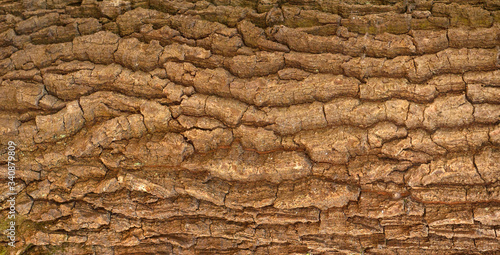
(252, 127)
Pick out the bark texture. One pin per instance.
(252, 127)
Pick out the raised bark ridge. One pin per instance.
(252, 127)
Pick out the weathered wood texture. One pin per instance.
(252, 127)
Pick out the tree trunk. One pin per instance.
(250, 127)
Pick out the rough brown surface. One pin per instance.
(251, 127)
